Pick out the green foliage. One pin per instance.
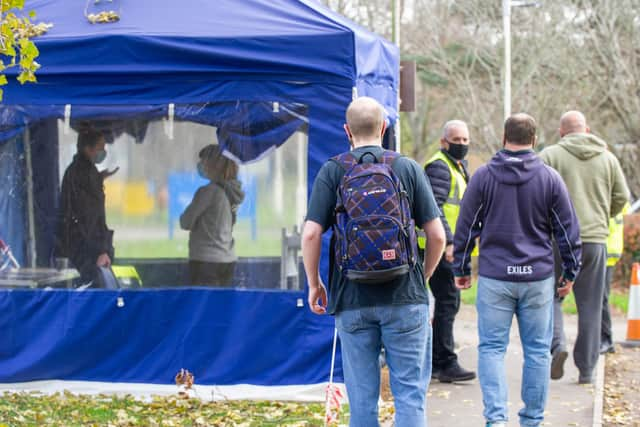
(619, 300)
(16, 32)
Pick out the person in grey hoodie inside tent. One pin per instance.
(210, 218)
(515, 204)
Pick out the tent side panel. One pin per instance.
(222, 336)
(12, 197)
(46, 186)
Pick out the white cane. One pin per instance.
(333, 361)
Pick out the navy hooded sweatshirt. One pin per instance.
(515, 204)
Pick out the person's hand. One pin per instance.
(318, 292)
(103, 260)
(107, 173)
(448, 253)
(463, 282)
(566, 288)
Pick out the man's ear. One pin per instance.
(384, 128)
(504, 140)
(348, 132)
(560, 133)
(535, 141)
(588, 129)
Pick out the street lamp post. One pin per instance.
(506, 24)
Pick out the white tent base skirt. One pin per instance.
(297, 393)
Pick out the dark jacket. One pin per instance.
(515, 204)
(83, 234)
(439, 177)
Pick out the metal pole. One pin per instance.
(506, 20)
(31, 222)
(301, 187)
(278, 183)
(396, 40)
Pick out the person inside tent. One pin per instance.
(83, 236)
(210, 218)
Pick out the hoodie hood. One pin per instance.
(514, 168)
(233, 190)
(583, 145)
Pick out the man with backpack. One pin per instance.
(372, 199)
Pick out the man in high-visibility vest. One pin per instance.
(615, 246)
(447, 173)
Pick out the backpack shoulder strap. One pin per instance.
(346, 160)
(388, 157)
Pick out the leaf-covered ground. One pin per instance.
(622, 388)
(66, 409)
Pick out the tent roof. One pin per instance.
(299, 40)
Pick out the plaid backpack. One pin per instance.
(374, 234)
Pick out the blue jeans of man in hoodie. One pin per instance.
(532, 304)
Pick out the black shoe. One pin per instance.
(455, 373)
(585, 379)
(607, 348)
(557, 364)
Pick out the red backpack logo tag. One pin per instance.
(389, 255)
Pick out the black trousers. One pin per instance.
(447, 298)
(605, 334)
(85, 263)
(211, 273)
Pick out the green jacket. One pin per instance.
(594, 179)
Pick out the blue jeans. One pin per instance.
(532, 303)
(405, 332)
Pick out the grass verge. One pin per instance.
(69, 410)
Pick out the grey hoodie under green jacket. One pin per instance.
(594, 179)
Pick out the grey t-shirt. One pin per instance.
(210, 218)
(410, 289)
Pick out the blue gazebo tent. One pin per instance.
(222, 63)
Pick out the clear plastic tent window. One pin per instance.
(204, 194)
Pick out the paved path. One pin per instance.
(569, 404)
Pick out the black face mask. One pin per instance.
(458, 151)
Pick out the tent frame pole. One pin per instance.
(31, 222)
(396, 11)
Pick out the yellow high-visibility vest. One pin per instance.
(615, 241)
(451, 207)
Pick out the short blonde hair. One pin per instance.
(365, 117)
